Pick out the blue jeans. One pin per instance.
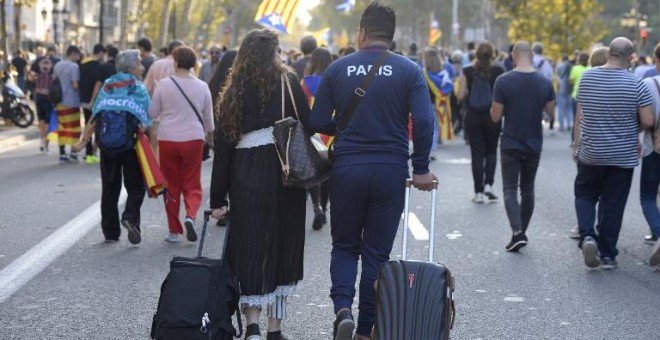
(519, 170)
(609, 187)
(565, 111)
(367, 202)
(648, 191)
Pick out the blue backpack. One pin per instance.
(116, 131)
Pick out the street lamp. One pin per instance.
(44, 16)
(56, 16)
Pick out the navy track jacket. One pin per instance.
(378, 131)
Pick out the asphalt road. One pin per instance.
(110, 291)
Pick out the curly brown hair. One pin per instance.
(255, 64)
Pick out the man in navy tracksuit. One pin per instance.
(371, 161)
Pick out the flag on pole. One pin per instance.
(154, 179)
(322, 36)
(278, 15)
(434, 31)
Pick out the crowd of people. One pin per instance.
(230, 102)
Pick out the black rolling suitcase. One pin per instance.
(198, 298)
(414, 299)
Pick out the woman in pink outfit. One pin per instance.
(182, 103)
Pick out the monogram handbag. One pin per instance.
(304, 160)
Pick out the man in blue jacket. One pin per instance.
(371, 161)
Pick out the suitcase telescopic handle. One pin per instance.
(207, 215)
(406, 221)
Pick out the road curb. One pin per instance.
(14, 137)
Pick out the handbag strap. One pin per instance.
(189, 102)
(358, 94)
(657, 85)
(286, 83)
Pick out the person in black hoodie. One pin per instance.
(90, 71)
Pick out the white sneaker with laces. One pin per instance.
(574, 233)
(488, 192)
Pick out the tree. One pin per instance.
(560, 25)
(18, 24)
(413, 17)
(166, 11)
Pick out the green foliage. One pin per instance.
(561, 25)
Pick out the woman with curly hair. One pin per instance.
(267, 221)
(484, 135)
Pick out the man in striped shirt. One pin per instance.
(613, 105)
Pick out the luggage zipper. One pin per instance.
(205, 321)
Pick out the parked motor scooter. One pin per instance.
(14, 105)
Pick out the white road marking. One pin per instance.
(26, 267)
(417, 229)
(514, 299)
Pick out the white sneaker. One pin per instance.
(574, 233)
(488, 192)
(478, 198)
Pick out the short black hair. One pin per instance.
(145, 44)
(308, 44)
(413, 48)
(72, 50)
(173, 45)
(379, 21)
(164, 50)
(393, 45)
(112, 51)
(99, 48)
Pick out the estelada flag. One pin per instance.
(153, 176)
(277, 14)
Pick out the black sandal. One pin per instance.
(276, 336)
(252, 332)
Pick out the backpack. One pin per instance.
(116, 131)
(480, 97)
(55, 91)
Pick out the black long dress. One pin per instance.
(267, 220)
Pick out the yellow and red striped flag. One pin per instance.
(277, 14)
(154, 179)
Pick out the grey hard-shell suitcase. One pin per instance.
(414, 299)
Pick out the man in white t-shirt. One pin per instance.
(67, 72)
